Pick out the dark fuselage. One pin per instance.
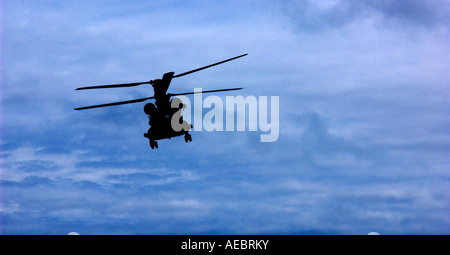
(161, 114)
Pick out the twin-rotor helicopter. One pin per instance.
(161, 112)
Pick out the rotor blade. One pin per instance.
(115, 85)
(115, 103)
(208, 66)
(206, 91)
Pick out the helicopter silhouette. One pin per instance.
(161, 112)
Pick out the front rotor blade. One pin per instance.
(208, 66)
(206, 91)
(122, 85)
(116, 103)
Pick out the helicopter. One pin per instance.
(161, 112)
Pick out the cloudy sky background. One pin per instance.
(364, 127)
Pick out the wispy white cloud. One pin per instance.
(363, 116)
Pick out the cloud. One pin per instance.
(315, 16)
(427, 13)
(363, 118)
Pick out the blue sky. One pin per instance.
(364, 128)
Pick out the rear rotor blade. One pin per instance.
(115, 103)
(208, 66)
(122, 85)
(200, 92)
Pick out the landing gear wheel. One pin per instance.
(153, 144)
(187, 138)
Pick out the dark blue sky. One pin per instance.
(364, 128)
